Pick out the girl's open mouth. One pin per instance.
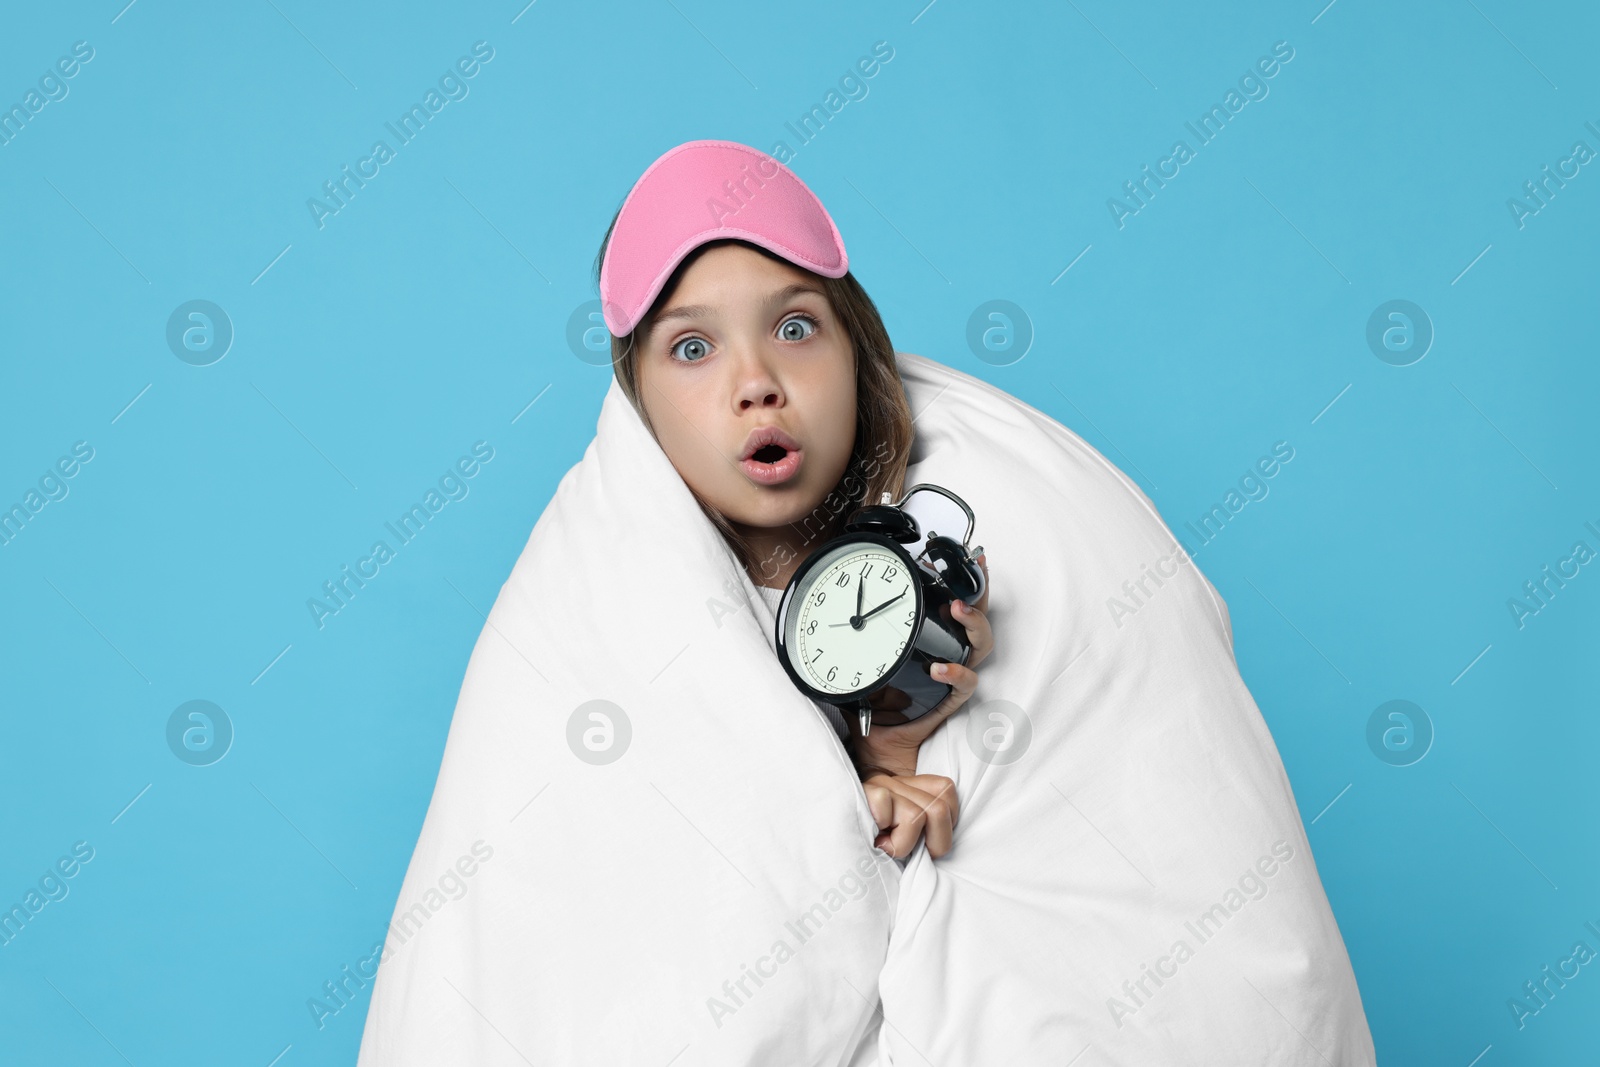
(772, 464)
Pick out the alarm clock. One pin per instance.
(867, 614)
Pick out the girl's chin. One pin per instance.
(779, 506)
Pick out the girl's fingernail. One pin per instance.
(940, 669)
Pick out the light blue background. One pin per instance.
(369, 354)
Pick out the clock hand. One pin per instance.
(885, 604)
(854, 619)
(861, 588)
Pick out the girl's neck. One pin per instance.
(776, 552)
(773, 554)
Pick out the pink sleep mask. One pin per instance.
(702, 191)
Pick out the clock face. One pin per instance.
(850, 618)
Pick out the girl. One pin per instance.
(676, 906)
(771, 388)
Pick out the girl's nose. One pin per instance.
(758, 386)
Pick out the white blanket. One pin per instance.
(1134, 888)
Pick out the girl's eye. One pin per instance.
(797, 327)
(791, 330)
(693, 347)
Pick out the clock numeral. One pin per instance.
(866, 570)
(811, 629)
(814, 658)
(857, 683)
(900, 648)
(844, 578)
(911, 616)
(821, 596)
(889, 574)
(831, 672)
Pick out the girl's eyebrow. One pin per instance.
(700, 311)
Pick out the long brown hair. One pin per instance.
(883, 416)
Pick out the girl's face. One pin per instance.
(746, 342)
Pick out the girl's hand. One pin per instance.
(893, 748)
(906, 807)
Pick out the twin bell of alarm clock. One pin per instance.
(949, 561)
